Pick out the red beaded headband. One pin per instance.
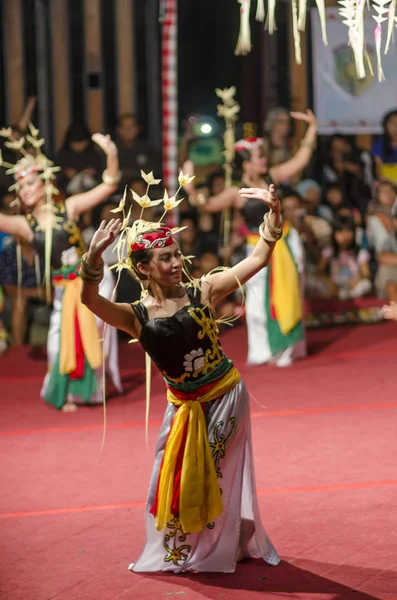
(27, 170)
(161, 238)
(248, 144)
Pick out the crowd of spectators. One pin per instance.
(343, 206)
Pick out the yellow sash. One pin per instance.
(200, 497)
(285, 286)
(88, 328)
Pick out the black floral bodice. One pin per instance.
(185, 347)
(65, 235)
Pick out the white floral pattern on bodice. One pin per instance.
(194, 361)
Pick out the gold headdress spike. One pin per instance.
(229, 110)
(34, 161)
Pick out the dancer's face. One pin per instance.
(258, 162)
(165, 266)
(31, 191)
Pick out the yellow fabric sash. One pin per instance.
(285, 286)
(88, 328)
(200, 497)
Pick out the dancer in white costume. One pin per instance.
(202, 512)
(74, 352)
(274, 307)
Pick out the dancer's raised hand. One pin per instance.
(104, 236)
(267, 196)
(106, 143)
(389, 311)
(308, 117)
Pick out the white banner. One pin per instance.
(343, 103)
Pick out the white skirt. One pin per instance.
(215, 548)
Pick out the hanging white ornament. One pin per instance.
(260, 11)
(296, 33)
(271, 20)
(321, 12)
(244, 40)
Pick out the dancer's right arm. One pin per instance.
(114, 313)
(16, 225)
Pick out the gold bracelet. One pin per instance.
(90, 275)
(277, 232)
(111, 180)
(305, 144)
(263, 235)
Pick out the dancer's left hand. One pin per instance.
(267, 196)
(389, 311)
(106, 143)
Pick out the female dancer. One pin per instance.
(274, 311)
(192, 522)
(73, 348)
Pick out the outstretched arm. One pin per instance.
(301, 159)
(226, 282)
(16, 225)
(116, 314)
(76, 205)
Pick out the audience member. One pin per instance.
(80, 162)
(135, 153)
(347, 265)
(381, 232)
(385, 148)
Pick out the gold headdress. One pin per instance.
(134, 234)
(33, 161)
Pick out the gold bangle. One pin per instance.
(305, 144)
(263, 235)
(111, 180)
(277, 232)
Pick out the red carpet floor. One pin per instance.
(325, 445)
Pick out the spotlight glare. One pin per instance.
(206, 128)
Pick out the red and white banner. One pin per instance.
(170, 97)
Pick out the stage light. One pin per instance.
(206, 129)
(203, 126)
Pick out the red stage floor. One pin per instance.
(325, 445)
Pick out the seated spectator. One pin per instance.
(315, 282)
(385, 149)
(188, 237)
(135, 153)
(333, 199)
(81, 163)
(352, 168)
(347, 264)
(317, 216)
(381, 233)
